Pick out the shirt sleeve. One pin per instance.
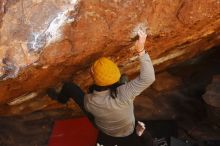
(128, 91)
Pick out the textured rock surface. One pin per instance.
(185, 103)
(212, 95)
(200, 80)
(45, 42)
(166, 81)
(212, 99)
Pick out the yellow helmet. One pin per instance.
(105, 72)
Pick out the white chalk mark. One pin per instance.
(168, 57)
(53, 32)
(22, 98)
(141, 26)
(164, 58)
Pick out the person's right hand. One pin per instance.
(140, 128)
(139, 44)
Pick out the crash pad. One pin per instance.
(73, 132)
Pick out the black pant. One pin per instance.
(131, 140)
(71, 90)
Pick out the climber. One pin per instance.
(110, 102)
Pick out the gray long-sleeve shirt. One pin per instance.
(115, 117)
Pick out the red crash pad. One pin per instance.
(73, 132)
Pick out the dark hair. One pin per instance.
(112, 88)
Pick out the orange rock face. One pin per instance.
(45, 42)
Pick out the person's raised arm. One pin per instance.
(133, 88)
